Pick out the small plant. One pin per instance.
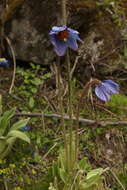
(10, 133)
(79, 179)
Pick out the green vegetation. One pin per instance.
(59, 149)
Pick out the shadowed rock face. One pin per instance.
(29, 28)
(31, 23)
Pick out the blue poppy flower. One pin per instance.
(3, 62)
(63, 37)
(26, 128)
(105, 89)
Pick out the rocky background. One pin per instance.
(27, 24)
(102, 27)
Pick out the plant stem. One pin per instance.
(117, 179)
(60, 100)
(14, 61)
(70, 110)
(0, 104)
(64, 12)
(84, 93)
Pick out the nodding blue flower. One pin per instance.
(26, 128)
(63, 37)
(3, 62)
(105, 89)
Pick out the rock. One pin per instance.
(102, 41)
(29, 28)
(31, 23)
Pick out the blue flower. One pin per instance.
(105, 89)
(63, 37)
(26, 128)
(3, 62)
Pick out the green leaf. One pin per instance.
(19, 124)
(33, 90)
(11, 140)
(95, 172)
(6, 151)
(63, 175)
(3, 145)
(19, 134)
(84, 164)
(31, 102)
(55, 169)
(36, 81)
(4, 120)
(94, 177)
(125, 52)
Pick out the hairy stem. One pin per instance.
(60, 100)
(70, 110)
(84, 94)
(64, 12)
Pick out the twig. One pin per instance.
(74, 66)
(81, 120)
(49, 151)
(117, 179)
(14, 61)
(107, 55)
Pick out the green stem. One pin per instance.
(70, 110)
(60, 100)
(0, 104)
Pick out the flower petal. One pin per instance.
(101, 93)
(73, 37)
(52, 38)
(26, 128)
(72, 43)
(114, 87)
(60, 48)
(4, 62)
(74, 34)
(110, 89)
(56, 29)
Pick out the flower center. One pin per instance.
(63, 35)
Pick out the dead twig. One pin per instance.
(81, 120)
(14, 61)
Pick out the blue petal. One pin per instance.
(100, 91)
(60, 48)
(72, 43)
(52, 38)
(110, 89)
(73, 37)
(4, 62)
(26, 128)
(57, 29)
(74, 34)
(111, 86)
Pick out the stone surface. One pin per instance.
(31, 23)
(29, 28)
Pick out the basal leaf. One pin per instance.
(4, 121)
(19, 124)
(19, 134)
